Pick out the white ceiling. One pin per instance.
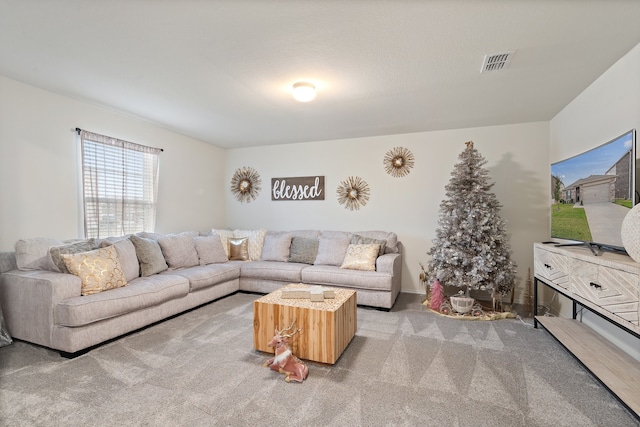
(220, 71)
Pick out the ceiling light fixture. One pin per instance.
(304, 91)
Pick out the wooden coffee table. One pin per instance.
(327, 327)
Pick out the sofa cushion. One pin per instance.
(179, 250)
(126, 255)
(332, 246)
(239, 248)
(268, 270)
(361, 257)
(303, 249)
(99, 270)
(204, 276)
(140, 293)
(33, 254)
(149, 255)
(362, 240)
(276, 247)
(256, 241)
(70, 248)
(391, 239)
(210, 249)
(336, 276)
(225, 235)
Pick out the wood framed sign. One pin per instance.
(298, 188)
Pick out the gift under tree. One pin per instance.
(471, 249)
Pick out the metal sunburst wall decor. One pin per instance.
(245, 184)
(353, 193)
(398, 161)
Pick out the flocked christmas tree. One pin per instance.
(471, 249)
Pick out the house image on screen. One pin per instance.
(614, 184)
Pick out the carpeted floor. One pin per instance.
(407, 367)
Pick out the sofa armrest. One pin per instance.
(29, 298)
(388, 263)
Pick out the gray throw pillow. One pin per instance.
(357, 239)
(149, 255)
(276, 247)
(70, 249)
(303, 250)
(210, 249)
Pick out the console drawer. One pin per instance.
(613, 290)
(551, 267)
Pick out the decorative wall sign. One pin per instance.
(245, 184)
(398, 161)
(298, 188)
(353, 193)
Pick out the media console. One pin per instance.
(607, 285)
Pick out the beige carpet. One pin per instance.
(407, 367)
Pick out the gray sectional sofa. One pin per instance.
(48, 297)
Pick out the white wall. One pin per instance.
(517, 158)
(607, 108)
(39, 166)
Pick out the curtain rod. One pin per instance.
(78, 130)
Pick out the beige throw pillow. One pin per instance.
(71, 248)
(149, 255)
(210, 249)
(361, 257)
(276, 247)
(179, 250)
(99, 270)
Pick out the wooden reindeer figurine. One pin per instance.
(284, 361)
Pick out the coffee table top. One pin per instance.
(329, 304)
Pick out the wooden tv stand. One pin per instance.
(607, 285)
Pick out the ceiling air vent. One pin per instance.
(496, 61)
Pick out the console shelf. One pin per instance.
(607, 285)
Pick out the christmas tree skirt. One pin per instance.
(487, 314)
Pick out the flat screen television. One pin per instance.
(592, 192)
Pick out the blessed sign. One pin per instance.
(298, 188)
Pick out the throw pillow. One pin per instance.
(149, 255)
(126, 255)
(332, 246)
(303, 250)
(276, 247)
(210, 249)
(390, 237)
(362, 240)
(179, 250)
(33, 254)
(99, 269)
(361, 257)
(256, 241)
(71, 248)
(225, 235)
(239, 249)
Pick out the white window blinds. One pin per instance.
(120, 185)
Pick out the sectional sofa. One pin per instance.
(70, 296)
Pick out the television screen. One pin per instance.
(592, 192)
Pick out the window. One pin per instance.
(120, 182)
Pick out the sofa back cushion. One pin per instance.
(33, 254)
(332, 247)
(210, 249)
(179, 250)
(276, 246)
(126, 255)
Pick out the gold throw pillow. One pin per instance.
(99, 269)
(361, 257)
(239, 248)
